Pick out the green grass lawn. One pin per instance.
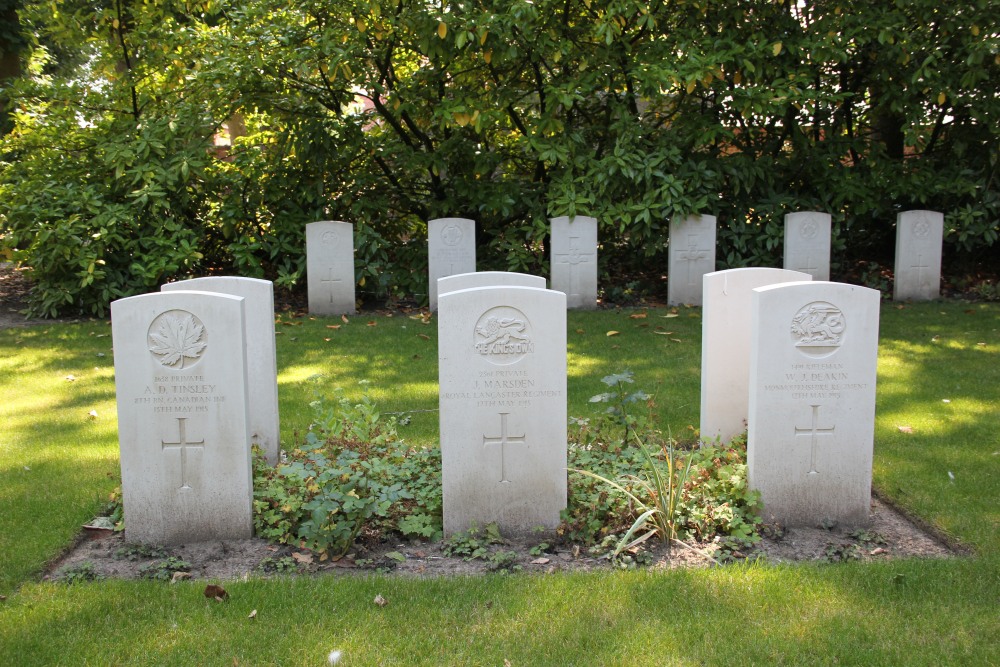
(939, 371)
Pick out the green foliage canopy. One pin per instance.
(387, 114)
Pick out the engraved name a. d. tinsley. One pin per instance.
(503, 336)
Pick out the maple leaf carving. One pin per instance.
(178, 337)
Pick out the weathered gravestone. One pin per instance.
(330, 267)
(918, 256)
(451, 249)
(725, 347)
(812, 401)
(183, 427)
(262, 365)
(502, 369)
(807, 243)
(692, 255)
(488, 279)
(574, 260)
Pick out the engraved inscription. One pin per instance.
(818, 329)
(331, 281)
(919, 265)
(692, 255)
(329, 238)
(808, 230)
(183, 444)
(177, 339)
(814, 431)
(503, 440)
(574, 258)
(503, 336)
(921, 229)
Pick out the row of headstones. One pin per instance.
(789, 358)
(452, 250)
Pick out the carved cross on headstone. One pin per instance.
(691, 255)
(919, 265)
(503, 440)
(330, 279)
(574, 258)
(808, 264)
(183, 445)
(814, 432)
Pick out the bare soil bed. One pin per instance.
(890, 535)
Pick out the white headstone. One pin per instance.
(330, 267)
(692, 255)
(488, 279)
(918, 256)
(262, 364)
(451, 249)
(180, 379)
(574, 260)
(812, 401)
(725, 347)
(502, 366)
(807, 243)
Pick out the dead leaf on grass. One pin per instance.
(253, 614)
(380, 601)
(372, 323)
(72, 378)
(179, 576)
(344, 319)
(92, 415)
(424, 336)
(333, 326)
(669, 315)
(612, 333)
(638, 316)
(541, 561)
(905, 429)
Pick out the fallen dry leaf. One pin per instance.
(424, 336)
(215, 592)
(677, 340)
(372, 323)
(638, 316)
(344, 318)
(302, 559)
(92, 415)
(380, 601)
(669, 315)
(580, 331)
(540, 561)
(333, 326)
(905, 429)
(72, 378)
(179, 576)
(253, 614)
(327, 339)
(612, 333)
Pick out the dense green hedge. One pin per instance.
(388, 114)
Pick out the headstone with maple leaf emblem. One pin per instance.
(183, 416)
(262, 368)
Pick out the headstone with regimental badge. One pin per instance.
(814, 350)
(330, 267)
(262, 365)
(807, 243)
(502, 371)
(918, 256)
(692, 255)
(574, 260)
(451, 249)
(725, 347)
(183, 416)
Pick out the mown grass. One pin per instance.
(912, 612)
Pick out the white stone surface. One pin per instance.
(502, 368)
(330, 267)
(812, 401)
(451, 249)
(919, 235)
(573, 270)
(183, 423)
(725, 347)
(262, 363)
(692, 255)
(807, 243)
(488, 279)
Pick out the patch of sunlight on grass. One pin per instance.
(581, 366)
(292, 375)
